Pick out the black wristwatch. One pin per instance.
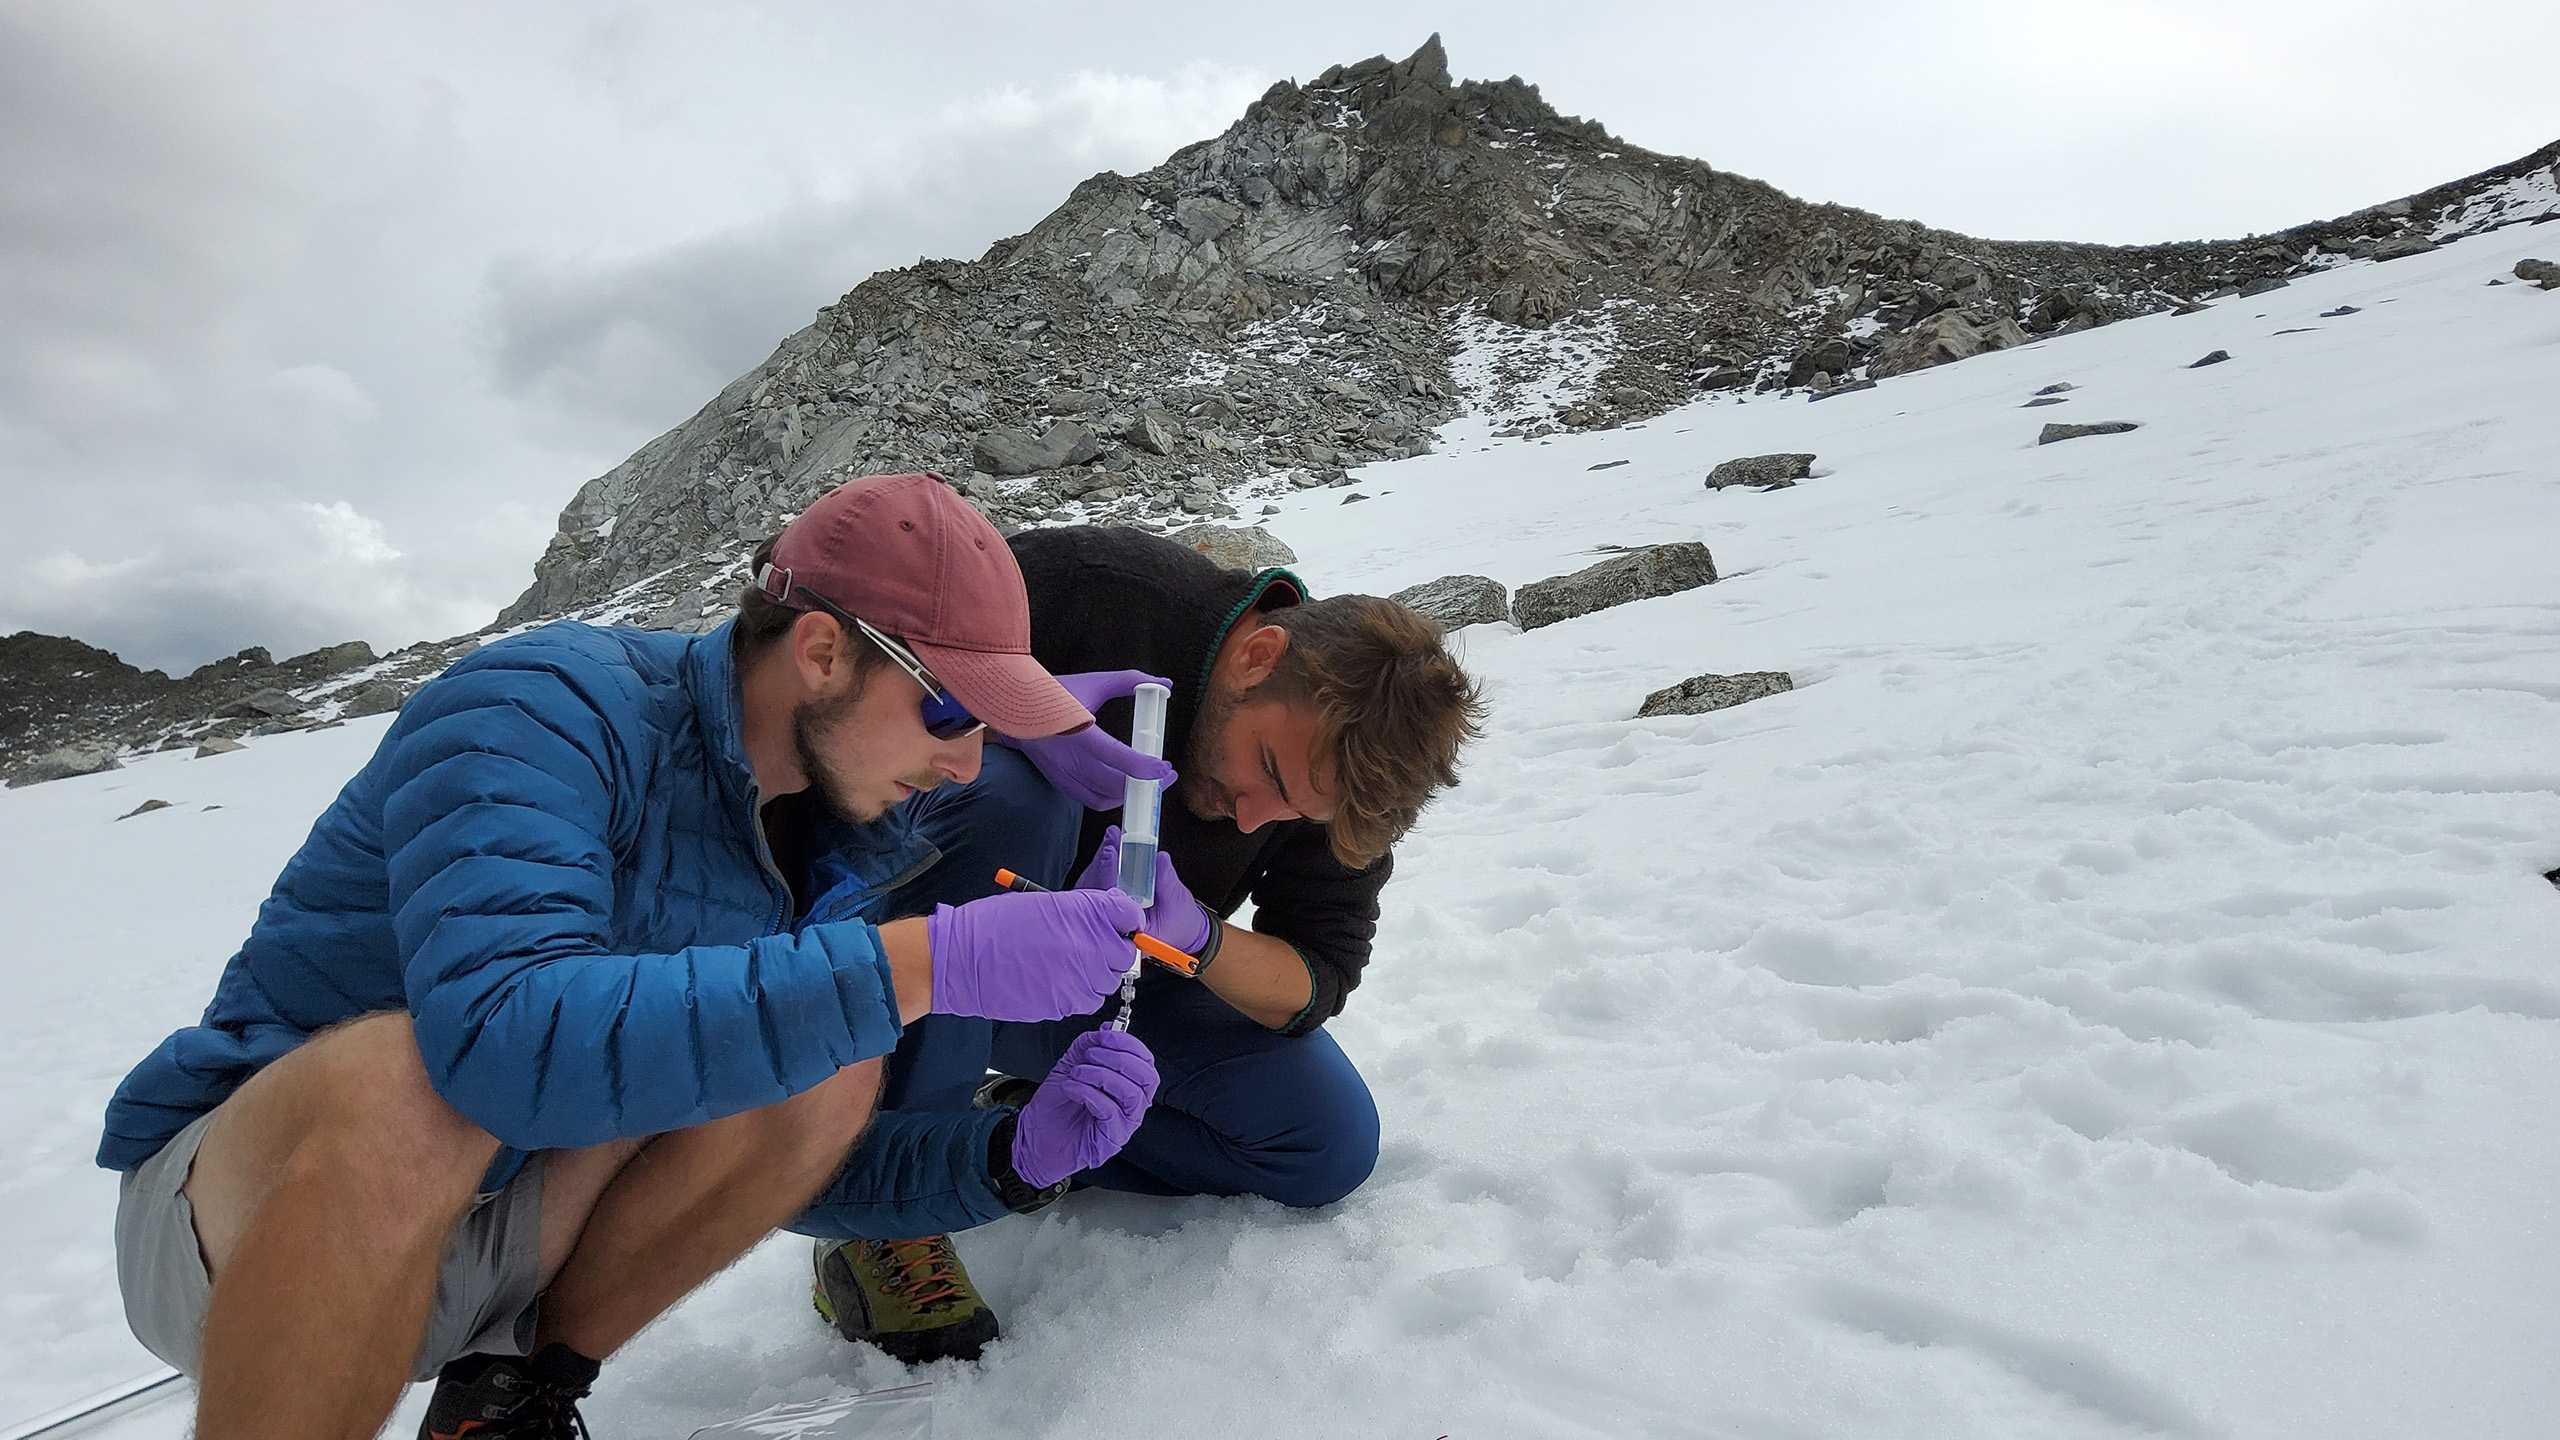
(1208, 951)
(1018, 1195)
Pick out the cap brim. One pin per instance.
(1014, 694)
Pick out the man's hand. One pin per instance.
(1175, 918)
(1087, 764)
(1040, 956)
(1086, 1110)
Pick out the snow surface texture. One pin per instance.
(2114, 994)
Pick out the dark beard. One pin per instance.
(1199, 789)
(812, 721)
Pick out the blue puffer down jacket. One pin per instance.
(553, 864)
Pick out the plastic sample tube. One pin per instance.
(1140, 804)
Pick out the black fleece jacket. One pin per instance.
(1116, 599)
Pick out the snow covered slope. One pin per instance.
(2114, 994)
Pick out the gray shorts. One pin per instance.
(485, 1292)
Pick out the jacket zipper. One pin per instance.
(764, 861)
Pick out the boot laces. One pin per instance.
(924, 1273)
(556, 1405)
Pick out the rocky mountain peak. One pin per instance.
(1286, 300)
(1354, 262)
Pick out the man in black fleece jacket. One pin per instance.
(1309, 734)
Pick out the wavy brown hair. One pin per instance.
(1393, 710)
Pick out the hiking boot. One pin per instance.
(911, 1298)
(510, 1397)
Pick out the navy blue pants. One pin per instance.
(1241, 1110)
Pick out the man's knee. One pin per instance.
(1341, 1148)
(363, 1085)
(812, 1131)
(352, 1109)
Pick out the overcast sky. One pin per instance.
(311, 320)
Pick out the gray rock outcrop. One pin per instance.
(1238, 547)
(271, 704)
(1020, 452)
(1766, 472)
(64, 763)
(2397, 248)
(2052, 433)
(1637, 575)
(1701, 693)
(1457, 601)
(1946, 337)
(378, 697)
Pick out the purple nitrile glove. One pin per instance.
(1032, 956)
(1086, 1110)
(1176, 919)
(1087, 764)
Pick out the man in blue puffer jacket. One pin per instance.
(530, 1017)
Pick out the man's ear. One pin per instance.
(1259, 654)
(818, 653)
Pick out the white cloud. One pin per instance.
(344, 534)
(1122, 121)
(68, 571)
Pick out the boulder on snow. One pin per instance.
(330, 658)
(2058, 387)
(1766, 472)
(1637, 575)
(2401, 248)
(1237, 547)
(1851, 387)
(1457, 601)
(2044, 400)
(2541, 272)
(2216, 358)
(380, 697)
(63, 763)
(145, 808)
(1701, 693)
(2052, 433)
(274, 704)
(218, 745)
(2341, 310)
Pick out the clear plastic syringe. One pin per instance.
(1139, 806)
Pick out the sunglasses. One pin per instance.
(945, 718)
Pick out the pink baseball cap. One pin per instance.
(909, 557)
